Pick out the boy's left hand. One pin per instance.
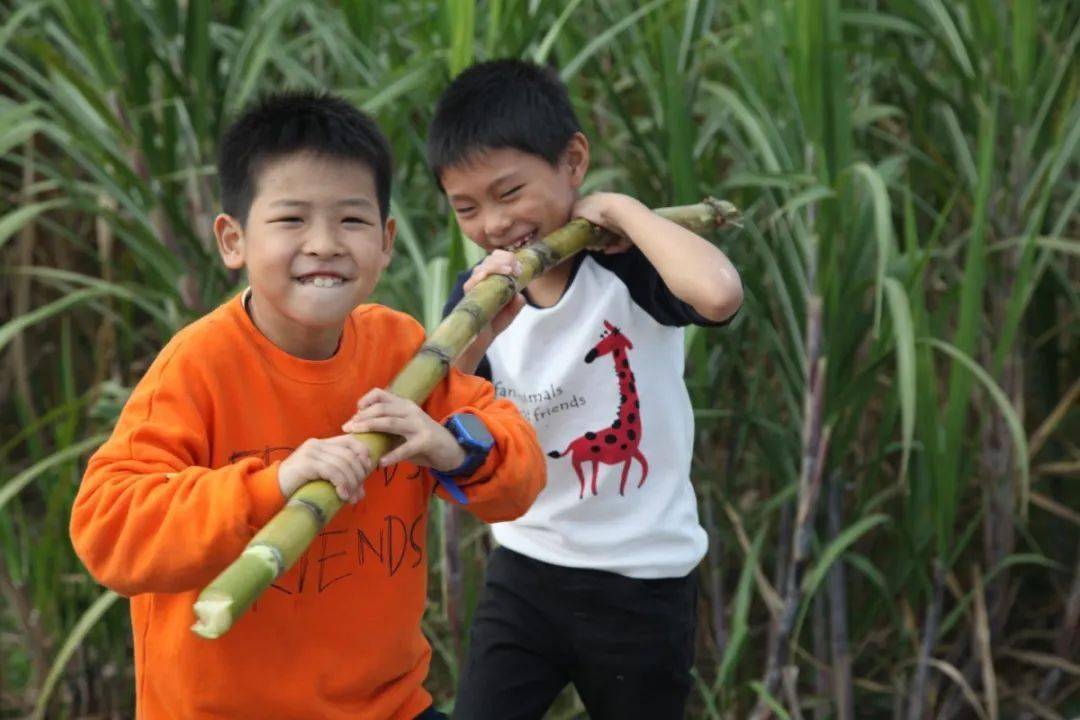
(427, 443)
(607, 210)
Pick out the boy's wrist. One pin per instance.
(621, 209)
(635, 206)
(453, 456)
(283, 480)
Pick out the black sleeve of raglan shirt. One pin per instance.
(647, 289)
(650, 292)
(484, 368)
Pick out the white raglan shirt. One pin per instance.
(551, 362)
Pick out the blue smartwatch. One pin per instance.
(475, 439)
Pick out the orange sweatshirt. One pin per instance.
(190, 474)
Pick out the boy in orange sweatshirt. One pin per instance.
(257, 398)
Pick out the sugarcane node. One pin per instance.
(509, 286)
(313, 508)
(261, 548)
(438, 353)
(472, 310)
(544, 255)
(508, 289)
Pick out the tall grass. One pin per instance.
(886, 434)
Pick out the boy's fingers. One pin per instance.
(354, 464)
(401, 452)
(331, 471)
(369, 467)
(375, 395)
(361, 422)
(369, 411)
(357, 496)
(386, 404)
(503, 262)
(478, 274)
(345, 459)
(388, 424)
(499, 263)
(357, 448)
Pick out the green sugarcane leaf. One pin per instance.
(72, 642)
(13, 327)
(16, 484)
(20, 217)
(836, 548)
(951, 35)
(906, 377)
(882, 232)
(766, 697)
(740, 626)
(604, 38)
(1016, 428)
(542, 50)
(1014, 560)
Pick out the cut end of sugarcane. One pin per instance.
(235, 589)
(214, 613)
(727, 215)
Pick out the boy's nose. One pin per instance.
(496, 225)
(321, 241)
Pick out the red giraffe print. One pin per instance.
(617, 443)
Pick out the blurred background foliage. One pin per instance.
(887, 454)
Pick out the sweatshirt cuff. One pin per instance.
(265, 494)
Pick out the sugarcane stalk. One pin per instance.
(284, 539)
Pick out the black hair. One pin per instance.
(295, 122)
(501, 104)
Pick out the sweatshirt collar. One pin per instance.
(309, 371)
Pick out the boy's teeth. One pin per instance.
(323, 281)
(524, 241)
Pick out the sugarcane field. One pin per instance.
(540, 359)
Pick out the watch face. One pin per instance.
(476, 429)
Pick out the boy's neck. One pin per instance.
(546, 290)
(315, 344)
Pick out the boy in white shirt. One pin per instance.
(595, 584)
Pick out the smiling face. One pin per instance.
(505, 198)
(314, 246)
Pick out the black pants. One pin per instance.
(627, 645)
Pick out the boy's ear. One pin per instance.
(389, 234)
(576, 157)
(230, 240)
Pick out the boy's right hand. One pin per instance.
(499, 262)
(343, 461)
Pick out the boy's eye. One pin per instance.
(290, 220)
(511, 192)
(355, 221)
(464, 210)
